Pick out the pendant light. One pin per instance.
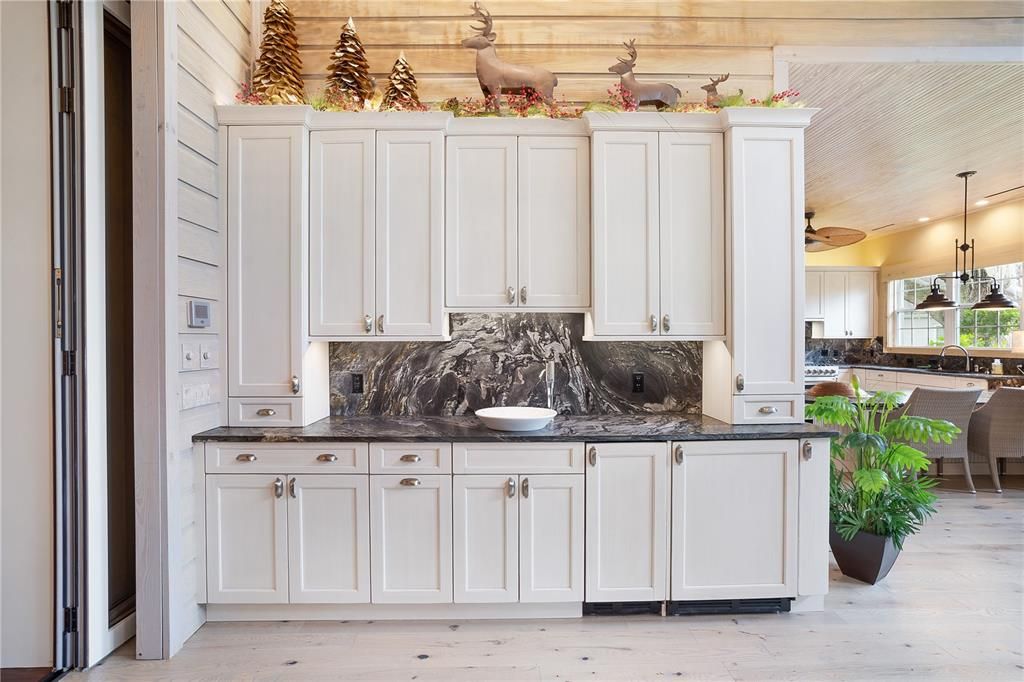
(936, 300)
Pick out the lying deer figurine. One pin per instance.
(660, 94)
(714, 99)
(497, 77)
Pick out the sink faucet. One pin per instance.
(549, 378)
(963, 350)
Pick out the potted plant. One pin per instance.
(877, 497)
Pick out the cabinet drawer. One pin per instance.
(286, 458)
(410, 458)
(776, 409)
(265, 412)
(518, 458)
(876, 375)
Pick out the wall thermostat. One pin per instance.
(198, 314)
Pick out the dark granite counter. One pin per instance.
(995, 378)
(605, 428)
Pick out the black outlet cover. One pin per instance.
(638, 382)
(357, 383)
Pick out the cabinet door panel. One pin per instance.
(554, 221)
(734, 520)
(860, 303)
(410, 233)
(625, 196)
(341, 247)
(246, 539)
(627, 522)
(480, 222)
(813, 310)
(486, 539)
(266, 195)
(833, 297)
(329, 539)
(411, 539)
(692, 228)
(551, 538)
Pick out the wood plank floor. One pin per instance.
(951, 609)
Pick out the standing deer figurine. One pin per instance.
(497, 77)
(714, 100)
(660, 94)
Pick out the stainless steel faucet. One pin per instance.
(549, 378)
(963, 350)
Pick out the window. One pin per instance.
(969, 328)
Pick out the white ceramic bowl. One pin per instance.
(516, 418)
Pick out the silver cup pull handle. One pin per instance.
(679, 454)
(510, 486)
(327, 457)
(808, 449)
(525, 487)
(410, 482)
(768, 409)
(592, 456)
(654, 323)
(666, 323)
(246, 457)
(368, 323)
(412, 459)
(278, 487)
(510, 294)
(522, 295)
(266, 412)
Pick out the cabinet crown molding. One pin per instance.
(750, 117)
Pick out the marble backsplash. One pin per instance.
(497, 359)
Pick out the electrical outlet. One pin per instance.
(357, 383)
(638, 382)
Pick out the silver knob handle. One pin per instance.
(522, 295)
(665, 323)
(740, 383)
(368, 323)
(266, 412)
(768, 409)
(206, 355)
(410, 458)
(808, 449)
(511, 294)
(380, 324)
(679, 454)
(411, 482)
(592, 454)
(291, 487)
(654, 323)
(327, 457)
(246, 457)
(278, 487)
(525, 487)
(295, 384)
(510, 486)
(188, 356)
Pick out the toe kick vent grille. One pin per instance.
(622, 608)
(711, 606)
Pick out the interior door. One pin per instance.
(486, 538)
(551, 538)
(554, 222)
(481, 222)
(410, 233)
(341, 232)
(626, 266)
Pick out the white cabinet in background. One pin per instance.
(814, 308)
(659, 234)
(627, 522)
(411, 539)
(848, 303)
(517, 222)
(734, 520)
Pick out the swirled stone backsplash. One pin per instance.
(497, 359)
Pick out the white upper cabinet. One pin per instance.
(860, 303)
(410, 233)
(341, 241)
(814, 309)
(692, 229)
(554, 222)
(266, 199)
(481, 222)
(517, 222)
(847, 302)
(626, 258)
(833, 304)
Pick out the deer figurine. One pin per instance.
(497, 77)
(714, 100)
(660, 94)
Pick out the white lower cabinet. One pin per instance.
(411, 539)
(734, 519)
(551, 538)
(627, 522)
(486, 538)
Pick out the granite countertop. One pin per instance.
(605, 428)
(934, 372)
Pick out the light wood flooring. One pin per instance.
(951, 609)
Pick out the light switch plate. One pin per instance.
(189, 356)
(208, 355)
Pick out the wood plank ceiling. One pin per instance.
(890, 138)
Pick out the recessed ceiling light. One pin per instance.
(981, 202)
(923, 219)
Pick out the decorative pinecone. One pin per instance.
(277, 78)
(349, 73)
(401, 93)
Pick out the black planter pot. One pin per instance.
(867, 557)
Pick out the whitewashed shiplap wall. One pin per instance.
(213, 48)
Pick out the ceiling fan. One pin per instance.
(826, 238)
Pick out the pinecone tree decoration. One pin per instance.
(277, 78)
(401, 93)
(349, 73)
